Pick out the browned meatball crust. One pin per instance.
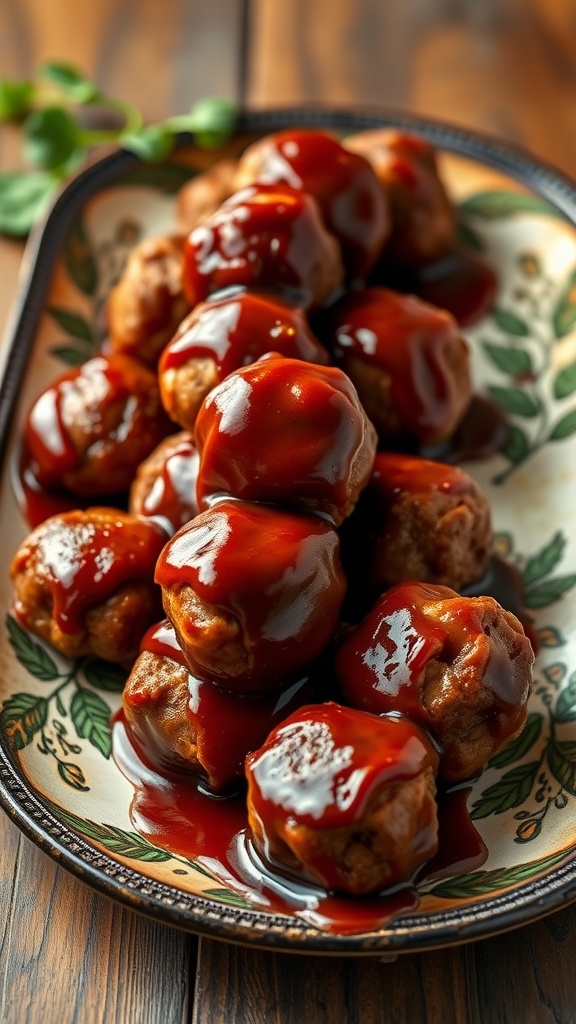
(186, 725)
(165, 483)
(310, 813)
(423, 216)
(407, 360)
(223, 335)
(458, 666)
(253, 591)
(83, 581)
(90, 431)
(200, 197)
(432, 523)
(147, 304)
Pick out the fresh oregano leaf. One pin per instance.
(24, 197)
(70, 81)
(15, 98)
(153, 143)
(51, 137)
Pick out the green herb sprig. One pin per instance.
(55, 113)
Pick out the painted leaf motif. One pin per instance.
(549, 636)
(562, 761)
(515, 400)
(565, 381)
(565, 710)
(72, 775)
(564, 315)
(468, 237)
(496, 203)
(115, 839)
(72, 323)
(478, 883)
(546, 593)
(69, 355)
(516, 447)
(522, 744)
(510, 791)
(79, 259)
(32, 655)
(225, 896)
(91, 717)
(545, 560)
(22, 716)
(564, 428)
(104, 675)
(510, 323)
(555, 673)
(513, 361)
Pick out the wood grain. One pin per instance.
(525, 977)
(70, 955)
(497, 66)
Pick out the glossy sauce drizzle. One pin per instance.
(179, 817)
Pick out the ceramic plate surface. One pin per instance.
(58, 779)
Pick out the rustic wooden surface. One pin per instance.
(67, 954)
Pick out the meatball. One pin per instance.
(90, 431)
(286, 432)
(200, 197)
(423, 216)
(458, 666)
(84, 581)
(186, 725)
(254, 593)
(345, 798)
(265, 236)
(432, 523)
(408, 361)
(343, 183)
(165, 483)
(220, 336)
(147, 304)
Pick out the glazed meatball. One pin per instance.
(147, 304)
(84, 581)
(286, 432)
(432, 523)
(343, 183)
(265, 236)
(200, 197)
(253, 592)
(90, 431)
(408, 362)
(220, 336)
(423, 216)
(458, 666)
(165, 483)
(345, 798)
(184, 724)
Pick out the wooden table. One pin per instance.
(68, 954)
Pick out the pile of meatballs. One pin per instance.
(256, 538)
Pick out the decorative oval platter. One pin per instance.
(58, 778)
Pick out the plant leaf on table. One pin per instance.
(52, 111)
